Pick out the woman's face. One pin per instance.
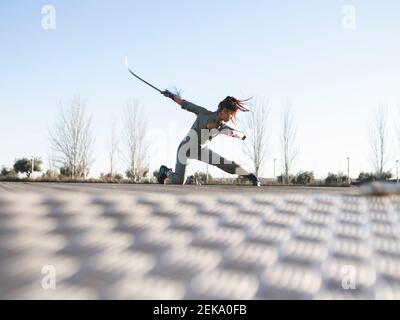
(226, 115)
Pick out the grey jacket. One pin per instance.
(205, 116)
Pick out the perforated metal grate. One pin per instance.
(184, 246)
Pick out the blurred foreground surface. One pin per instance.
(97, 241)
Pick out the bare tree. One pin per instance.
(71, 140)
(397, 126)
(379, 139)
(113, 149)
(256, 124)
(136, 141)
(52, 164)
(288, 142)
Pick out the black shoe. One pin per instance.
(162, 174)
(254, 180)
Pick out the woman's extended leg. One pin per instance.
(208, 156)
(213, 158)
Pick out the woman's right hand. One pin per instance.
(172, 96)
(168, 94)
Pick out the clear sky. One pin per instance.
(302, 51)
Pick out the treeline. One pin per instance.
(26, 167)
(333, 179)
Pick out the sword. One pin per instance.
(135, 75)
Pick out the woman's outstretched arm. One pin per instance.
(172, 96)
(185, 105)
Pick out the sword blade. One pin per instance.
(136, 76)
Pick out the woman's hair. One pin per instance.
(233, 104)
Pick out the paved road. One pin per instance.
(173, 189)
(104, 241)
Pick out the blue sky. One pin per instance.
(277, 50)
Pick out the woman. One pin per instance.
(208, 124)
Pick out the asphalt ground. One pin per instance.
(173, 189)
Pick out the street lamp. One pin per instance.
(348, 170)
(397, 171)
(274, 168)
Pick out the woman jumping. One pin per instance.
(208, 124)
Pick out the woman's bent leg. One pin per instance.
(178, 177)
(182, 160)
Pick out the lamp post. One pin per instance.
(348, 170)
(274, 169)
(397, 171)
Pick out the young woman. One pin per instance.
(208, 124)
